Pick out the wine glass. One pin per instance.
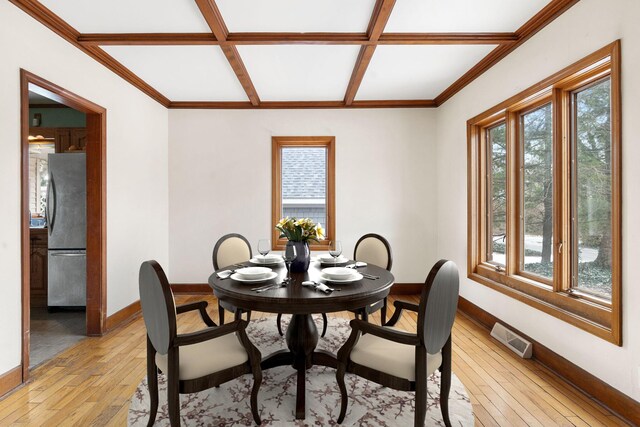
(264, 247)
(335, 250)
(290, 254)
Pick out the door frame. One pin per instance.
(96, 313)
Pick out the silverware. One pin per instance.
(369, 276)
(263, 287)
(279, 285)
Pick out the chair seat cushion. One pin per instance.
(198, 360)
(391, 357)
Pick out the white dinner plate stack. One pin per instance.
(254, 274)
(269, 259)
(326, 259)
(340, 275)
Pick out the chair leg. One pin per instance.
(325, 322)
(445, 382)
(365, 315)
(220, 315)
(421, 387)
(344, 399)
(278, 319)
(152, 382)
(383, 312)
(173, 393)
(249, 316)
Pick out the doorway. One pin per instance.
(92, 142)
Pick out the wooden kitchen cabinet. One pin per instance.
(66, 139)
(39, 267)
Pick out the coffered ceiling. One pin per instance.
(297, 53)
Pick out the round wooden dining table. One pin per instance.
(302, 302)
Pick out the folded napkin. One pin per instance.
(224, 274)
(324, 288)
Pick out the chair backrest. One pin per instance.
(438, 305)
(230, 249)
(158, 306)
(373, 249)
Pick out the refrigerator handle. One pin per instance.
(50, 208)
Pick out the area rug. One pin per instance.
(369, 403)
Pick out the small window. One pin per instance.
(303, 182)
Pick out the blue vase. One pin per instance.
(303, 257)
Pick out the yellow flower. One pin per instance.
(319, 231)
(284, 222)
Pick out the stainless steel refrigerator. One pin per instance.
(66, 212)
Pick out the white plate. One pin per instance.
(338, 272)
(273, 261)
(269, 257)
(253, 272)
(331, 261)
(237, 277)
(353, 278)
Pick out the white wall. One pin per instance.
(137, 191)
(586, 27)
(220, 181)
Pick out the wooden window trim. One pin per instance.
(277, 143)
(588, 312)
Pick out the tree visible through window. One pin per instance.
(497, 190)
(592, 204)
(537, 190)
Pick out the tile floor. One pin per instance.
(52, 333)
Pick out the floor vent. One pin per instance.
(515, 342)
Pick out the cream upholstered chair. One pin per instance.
(373, 249)
(402, 360)
(230, 249)
(194, 361)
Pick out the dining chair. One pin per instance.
(374, 249)
(402, 360)
(230, 249)
(193, 361)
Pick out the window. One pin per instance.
(497, 191)
(303, 182)
(545, 195)
(39, 176)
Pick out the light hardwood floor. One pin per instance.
(92, 382)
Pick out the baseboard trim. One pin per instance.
(191, 288)
(10, 380)
(205, 289)
(123, 316)
(614, 400)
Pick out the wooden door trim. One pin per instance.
(96, 206)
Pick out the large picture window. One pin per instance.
(545, 195)
(303, 182)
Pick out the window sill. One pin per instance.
(583, 314)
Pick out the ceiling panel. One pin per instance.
(417, 71)
(296, 15)
(183, 73)
(130, 16)
(461, 15)
(300, 73)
